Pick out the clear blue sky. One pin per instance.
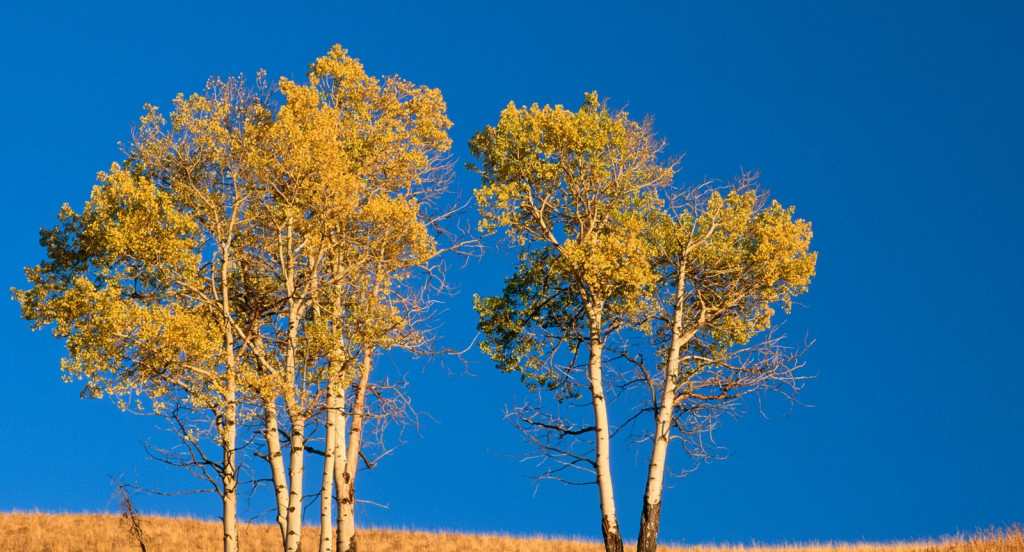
(896, 128)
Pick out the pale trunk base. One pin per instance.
(340, 457)
(346, 486)
(650, 516)
(347, 527)
(602, 431)
(230, 524)
(229, 476)
(327, 481)
(275, 458)
(293, 540)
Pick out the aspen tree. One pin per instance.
(727, 261)
(576, 192)
(393, 135)
(142, 283)
(305, 188)
(355, 166)
(250, 260)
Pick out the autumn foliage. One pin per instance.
(261, 244)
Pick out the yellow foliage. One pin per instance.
(578, 192)
(585, 182)
(232, 206)
(739, 258)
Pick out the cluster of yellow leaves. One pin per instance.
(615, 264)
(585, 182)
(112, 289)
(580, 190)
(740, 257)
(390, 129)
(222, 205)
(386, 136)
(586, 186)
(141, 226)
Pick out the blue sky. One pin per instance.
(898, 130)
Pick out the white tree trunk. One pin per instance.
(327, 480)
(296, 415)
(229, 477)
(346, 486)
(275, 458)
(293, 538)
(650, 516)
(609, 520)
(340, 461)
(229, 422)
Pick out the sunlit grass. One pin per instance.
(35, 532)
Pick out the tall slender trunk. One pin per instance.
(330, 451)
(609, 521)
(650, 515)
(330, 418)
(229, 428)
(229, 476)
(293, 539)
(340, 461)
(347, 485)
(275, 458)
(287, 480)
(292, 400)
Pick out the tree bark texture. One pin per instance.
(346, 487)
(275, 458)
(602, 463)
(650, 515)
(229, 420)
(650, 519)
(293, 540)
(294, 410)
(229, 476)
(327, 481)
(340, 460)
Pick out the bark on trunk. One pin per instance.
(650, 515)
(287, 482)
(347, 485)
(229, 420)
(293, 539)
(229, 477)
(346, 514)
(230, 525)
(275, 458)
(327, 481)
(609, 521)
(296, 415)
(340, 460)
(650, 520)
(335, 405)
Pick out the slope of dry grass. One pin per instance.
(34, 532)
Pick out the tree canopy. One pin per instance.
(617, 266)
(245, 254)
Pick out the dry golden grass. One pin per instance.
(34, 532)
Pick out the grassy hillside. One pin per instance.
(108, 533)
